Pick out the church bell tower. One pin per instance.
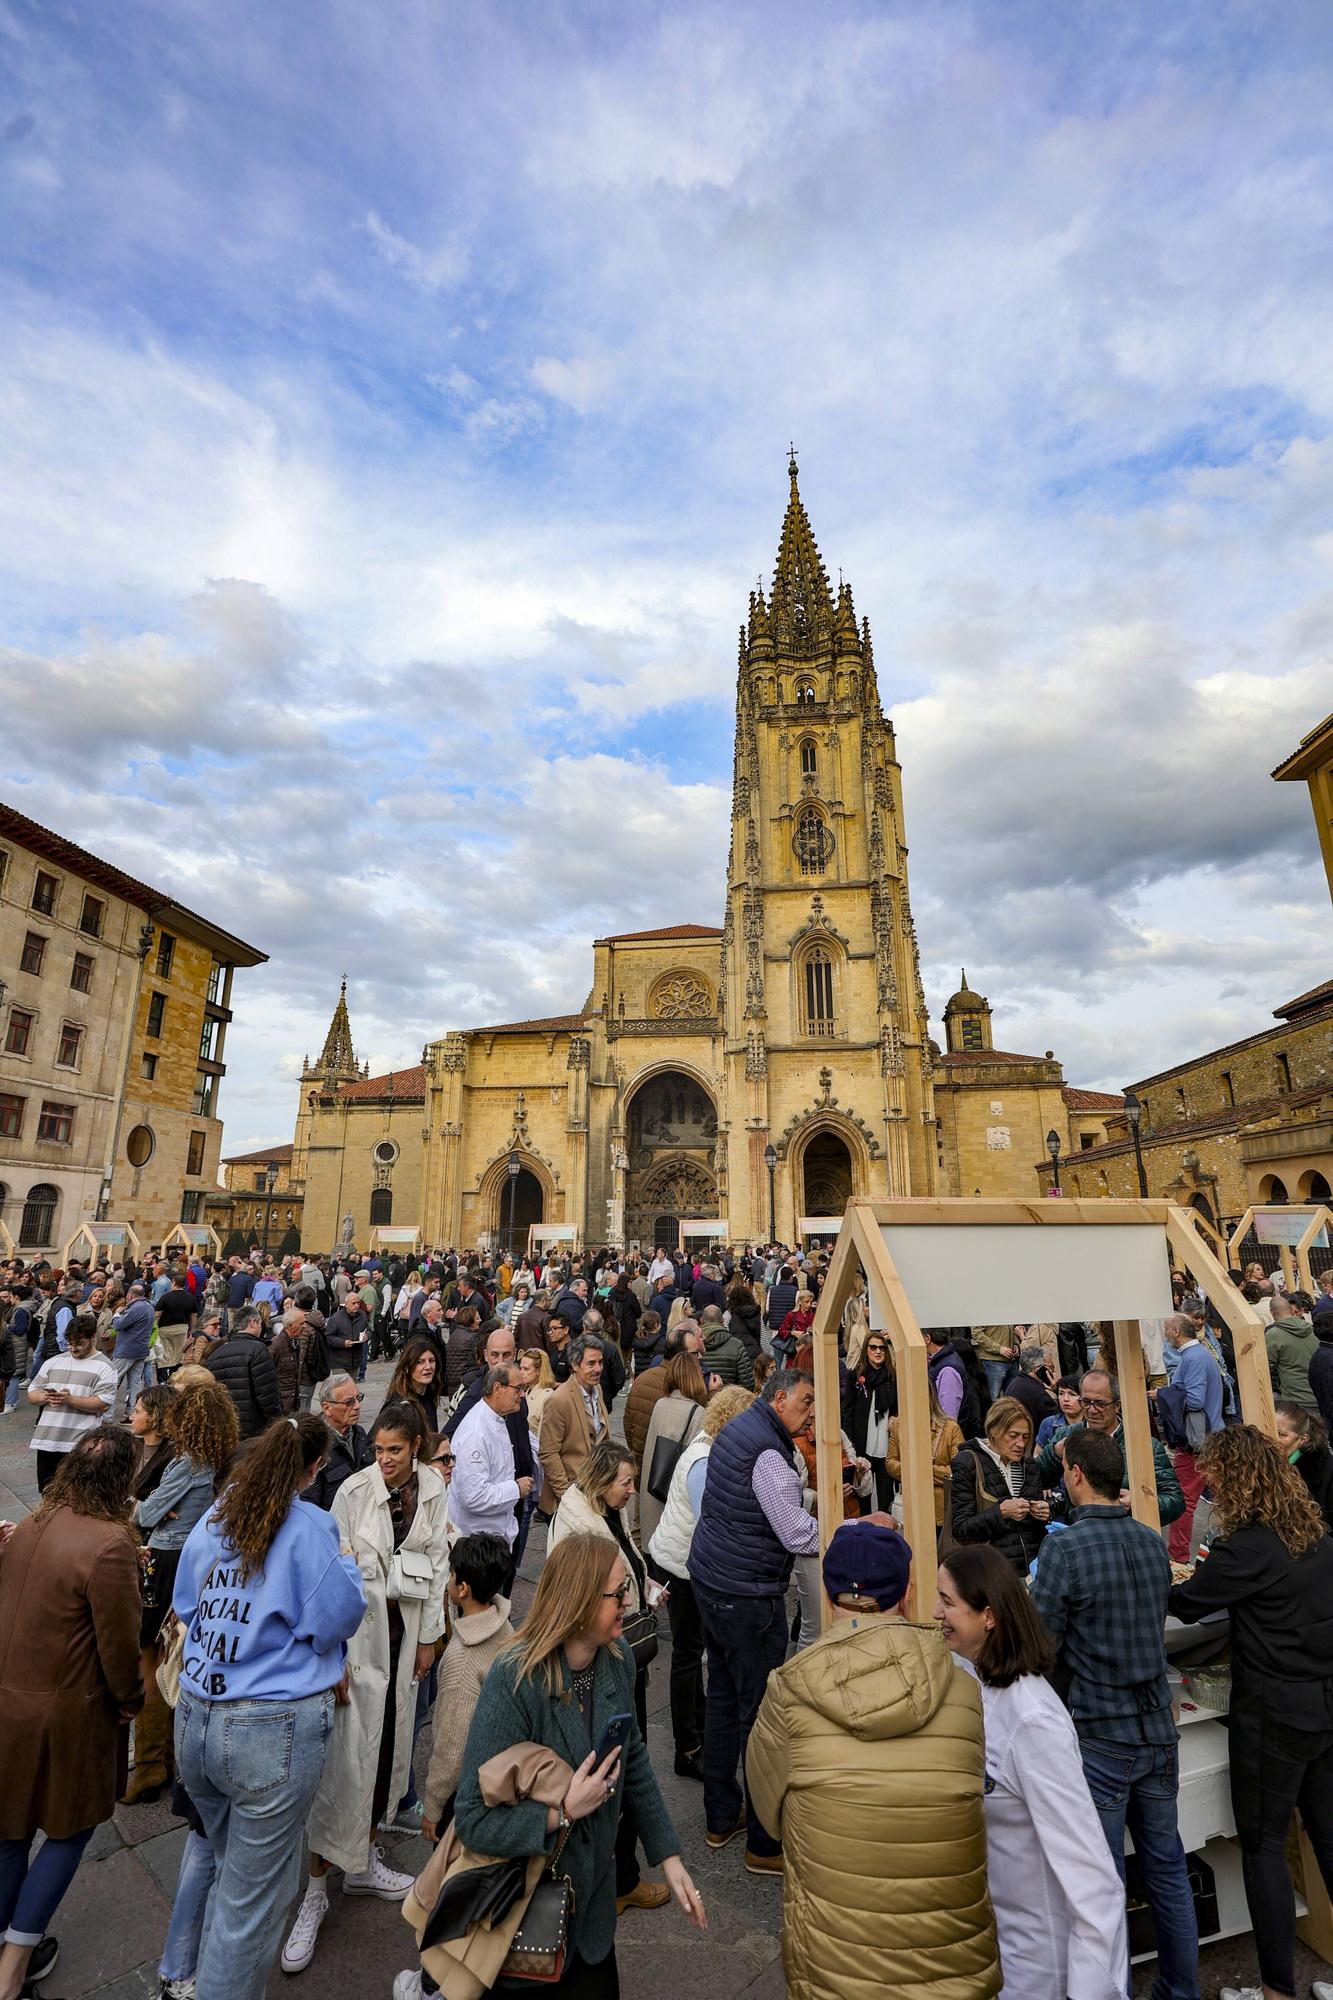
(824, 1015)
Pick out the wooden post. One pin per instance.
(838, 1288)
(1253, 1382)
(1140, 1470)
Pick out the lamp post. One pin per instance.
(1053, 1148)
(1134, 1113)
(271, 1181)
(771, 1162)
(514, 1171)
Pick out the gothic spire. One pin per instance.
(337, 1056)
(800, 593)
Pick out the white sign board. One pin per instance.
(987, 1274)
(1288, 1229)
(552, 1232)
(818, 1225)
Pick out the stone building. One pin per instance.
(798, 1024)
(253, 1184)
(115, 1005)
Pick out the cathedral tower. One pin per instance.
(825, 1023)
(337, 1064)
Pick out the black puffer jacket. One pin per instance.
(244, 1366)
(746, 1321)
(976, 1520)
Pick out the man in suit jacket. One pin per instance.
(574, 1419)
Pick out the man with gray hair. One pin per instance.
(1031, 1386)
(338, 1401)
(486, 1488)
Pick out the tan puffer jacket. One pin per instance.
(867, 1759)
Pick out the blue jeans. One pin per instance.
(997, 1374)
(30, 1891)
(1136, 1786)
(252, 1769)
(130, 1376)
(746, 1638)
(180, 1953)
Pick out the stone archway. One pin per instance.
(671, 1145)
(828, 1177)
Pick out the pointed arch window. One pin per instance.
(814, 842)
(817, 1003)
(805, 694)
(809, 757)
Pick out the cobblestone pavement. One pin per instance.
(113, 1921)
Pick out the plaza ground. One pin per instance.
(113, 1921)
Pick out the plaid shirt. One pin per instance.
(1101, 1589)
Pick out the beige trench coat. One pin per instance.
(339, 1823)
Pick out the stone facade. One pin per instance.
(116, 1007)
(799, 1023)
(246, 1197)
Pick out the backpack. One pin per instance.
(316, 1365)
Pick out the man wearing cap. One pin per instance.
(867, 1760)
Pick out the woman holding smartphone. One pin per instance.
(567, 1674)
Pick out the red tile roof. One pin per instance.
(282, 1154)
(667, 931)
(400, 1086)
(975, 1058)
(1315, 995)
(1091, 1100)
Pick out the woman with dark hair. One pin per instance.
(415, 1381)
(674, 1421)
(869, 1407)
(69, 1684)
(744, 1318)
(1305, 1440)
(394, 1517)
(996, 1493)
(148, 1426)
(1058, 1900)
(1069, 1395)
(269, 1604)
(1270, 1566)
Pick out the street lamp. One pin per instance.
(271, 1173)
(1053, 1148)
(1134, 1113)
(514, 1171)
(771, 1162)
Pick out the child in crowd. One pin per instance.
(478, 1567)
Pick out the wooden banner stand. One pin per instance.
(1293, 1257)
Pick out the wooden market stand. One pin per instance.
(957, 1262)
(1295, 1255)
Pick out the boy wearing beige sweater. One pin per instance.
(478, 1567)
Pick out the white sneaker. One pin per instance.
(377, 1880)
(176, 1989)
(300, 1946)
(1322, 1989)
(407, 1986)
(1248, 1992)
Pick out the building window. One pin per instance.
(38, 1227)
(202, 1103)
(56, 1123)
(34, 951)
(191, 1203)
(1228, 1088)
(148, 1066)
(805, 694)
(81, 973)
(194, 1159)
(90, 922)
(215, 982)
(814, 843)
(817, 990)
(1283, 1072)
(11, 1116)
(141, 1145)
(1180, 1100)
(157, 1012)
(71, 1042)
(19, 1033)
(1086, 1139)
(207, 1037)
(971, 1032)
(261, 1183)
(809, 757)
(44, 889)
(381, 1207)
(166, 952)
(4, 866)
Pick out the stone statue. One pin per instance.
(345, 1240)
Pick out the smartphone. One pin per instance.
(654, 1593)
(613, 1738)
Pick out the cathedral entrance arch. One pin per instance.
(828, 1178)
(671, 1144)
(530, 1200)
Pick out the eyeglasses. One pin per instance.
(348, 1402)
(620, 1595)
(1096, 1403)
(445, 1458)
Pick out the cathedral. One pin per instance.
(751, 1077)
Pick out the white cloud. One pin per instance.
(429, 270)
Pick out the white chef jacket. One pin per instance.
(484, 1490)
(1058, 1899)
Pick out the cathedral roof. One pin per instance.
(551, 1024)
(667, 931)
(400, 1086)
(965, 1001)
(964, 1057)
(282, 1155)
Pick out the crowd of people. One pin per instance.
(273, 1602)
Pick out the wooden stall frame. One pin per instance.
(860, 1243)
(84, 1231)
(7, 1243)
(711, 1228)
(1295, 1262)
(396, 1236)
(180, 1233)
(540, 1234)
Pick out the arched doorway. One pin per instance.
(1204, 1206)
(671, 1142)
(826, 1175)
(529, 1207)
(1272, 1191)
(1314, 1187)
(381, 1208)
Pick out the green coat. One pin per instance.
(507, 1714)
(1170, 1499)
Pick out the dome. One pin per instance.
(965, 1001)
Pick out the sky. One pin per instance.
(394, 407)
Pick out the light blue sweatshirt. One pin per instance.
(280, 1634)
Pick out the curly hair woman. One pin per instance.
(69, 1683)
(269, 1604)
(199, 1431)
(1271, 1568)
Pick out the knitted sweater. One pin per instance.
(464, 1664)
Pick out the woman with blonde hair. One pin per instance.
(946, 1441)
(539, 1384)
(566, 1674)
(1270, 1566)
(996, 1493)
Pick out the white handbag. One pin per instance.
(410, 1575)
